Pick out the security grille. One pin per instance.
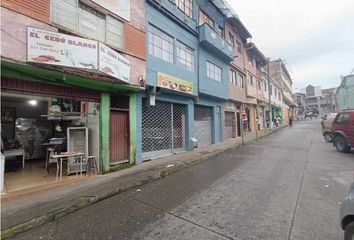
(120, 102)
(163, 129)
(203, 125)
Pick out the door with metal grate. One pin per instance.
(163, 129)
(229, 129)
(203, 125)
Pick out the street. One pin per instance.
(286, 186)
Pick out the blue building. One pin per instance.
(187, 77)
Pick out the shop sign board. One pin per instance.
(229, 106)
(113, 63)
(173, 83)
(119, 7)
(61, 49)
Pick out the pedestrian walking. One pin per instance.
(290, 122)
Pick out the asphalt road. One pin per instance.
(287, 186)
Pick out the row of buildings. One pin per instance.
(315, 99)
(147, 78)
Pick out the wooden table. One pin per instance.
(15, 152)
(66, 156)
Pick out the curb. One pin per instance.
(84, 202)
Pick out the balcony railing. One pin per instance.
(215, 43)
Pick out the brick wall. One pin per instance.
(239, 60)
(137, 14)
(37, 9)
(134, 41)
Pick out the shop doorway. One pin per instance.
(36, 128)
(119, 137)
(230, 125)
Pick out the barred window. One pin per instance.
(204, 18)
(186, 6)
(185, 57)
(160, 44)
(213, 71)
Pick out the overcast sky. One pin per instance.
(314, 37)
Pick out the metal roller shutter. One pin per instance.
(229, 125)
(203, 125)
(163, 129)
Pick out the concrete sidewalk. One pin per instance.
(31, 209)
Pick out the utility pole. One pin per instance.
(269, 96)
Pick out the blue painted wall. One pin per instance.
(154, 65)
(210, 86)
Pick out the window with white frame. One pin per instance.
(185, 6)
(241, 82)
(233, 77)
(213, 71)
(250, 79)
(231, 39)
(185, 56)
(239, 46)
(88, 21)
(160, 44)
(204, 18)
(265, 86)
(279, 96)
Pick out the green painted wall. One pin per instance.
(133, 126)
(104, 132)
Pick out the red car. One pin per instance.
(343, 131)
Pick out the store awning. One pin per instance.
(64, 76)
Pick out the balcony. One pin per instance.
(209, 39)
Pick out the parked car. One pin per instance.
(326, 124)
(343, 131)
(346, 215)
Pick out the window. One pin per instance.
(186, 6)
(160, 44)
(239, 46)
(231, 39)
(265, 86)
(86, 20)
(203, 18)
(259, 84)
(241, 82)
(250, 79)
(233, 77)
(185, 57)
(220, 31)
(271, 90)
(213, 71)
(275, 92)
(343, 118)
(279, 96)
